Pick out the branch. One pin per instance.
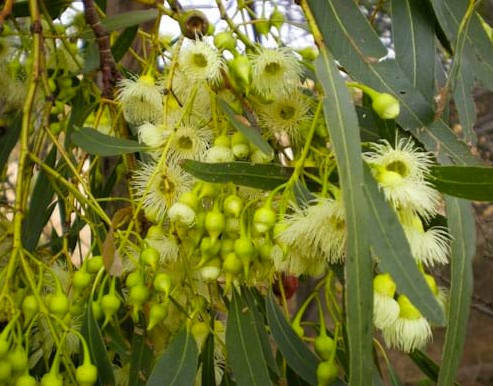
(7, 8)
(107, 62)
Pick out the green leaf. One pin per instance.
(39, 211)
(298, 356)
(81, 109)
(9, 134)
(342, 123)
(123, 42)
(92, 58)
(462, 229)
(97, 143)
(141, 357)
(425, 364)
(356, 46)
(464, 101)
(390, 245)
(99, 355)
(478, 49)
(261, 332)
(208, 362)
(54, 7)
(260, 176)
(123, 20)
(413, 33)
(245, 353)
(470, 182)
(248, 131)
(178, 365)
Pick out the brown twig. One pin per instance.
(107, 62)
(7, 8)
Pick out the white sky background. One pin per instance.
(293, 33)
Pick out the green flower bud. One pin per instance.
(232, 264)
(157, 314)
(94, 264)
(240, 71)
(58, 304)
(139, 294)
(276, 19)
(5, 371)
(215, 223)
(262, 25)
(325, 346)
(52, 379)
(110, 304)
(18, 359)
(264, 219)
(30, 307)
(26, 380)
(225, 41)
(86, 375)
(233, 205)
(326, 373)
(162, 283)
(386, 106)
(150, 257)
(81, 280)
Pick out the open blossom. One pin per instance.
(189, 142)
(200, 62)
(159, 189)
(275, 71)
(318, 231)
(288, 113)
(401, 171)
(385, 308)
(141, 100)
(410, 331)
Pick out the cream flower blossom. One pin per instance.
(410, 331)
(152, 135)
(159, 189)
(275, 71)
(317, 232)
(200, 62)
(166, 244)
(141, 100)
(400, 172)
(385, 308)
(288, 113)
(189, 142)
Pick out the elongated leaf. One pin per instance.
(342, 123)
(464, 101)
(99, 354)
(39, 211)
(80, 111)
(462, 229)
(124, 20)
(478, 49)
(356, 46)
(260, 330)
(394, 377)
(390, 245)
(54, 7)
(261, 176)
(178, 365)
(97, 143)
(141, 357)
(123, 42)
(92, 59)
(208, 363)
(298, 356)
(413, 31)
(248, 131)
(425, 364)
(245, 353)
(470, 182)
